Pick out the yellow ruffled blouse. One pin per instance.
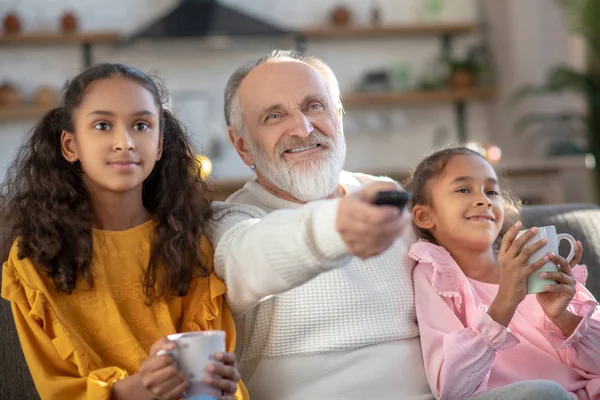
(78, 345)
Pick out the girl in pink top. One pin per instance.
(479, 328)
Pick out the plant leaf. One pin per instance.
(583, 16)
(532, 119)
(559, 80)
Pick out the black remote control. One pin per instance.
(392, 198)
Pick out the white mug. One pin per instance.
(535, 284)
(192, 355)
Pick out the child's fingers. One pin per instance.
(161, 363)
(224, 371)
(226, 385)
(568, 291)
(167, 373)
(226, 358)
(164, 382)
(563, 264)
(559, 277)
(508, 238)
(531, 268)
(161, 344)
(578, 254)
(527, 252)
(516, 249)
(176, 391)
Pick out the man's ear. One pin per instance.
(340, 112)
(241, 146)
(68, 147)
(423, 216)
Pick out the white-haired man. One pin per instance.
(318, 277)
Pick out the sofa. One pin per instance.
(580, 220)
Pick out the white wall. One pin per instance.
(195, 75)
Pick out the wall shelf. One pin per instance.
(417, 97)
(22, 112)
(58, 38)
(83, 39)
(366, 31)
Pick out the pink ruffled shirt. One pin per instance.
(466, 352)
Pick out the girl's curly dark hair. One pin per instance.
(44, 202)
(430, 168)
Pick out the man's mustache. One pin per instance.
(294, 142)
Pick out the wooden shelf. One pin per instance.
(22, 112)
(53, 38)
(365, 31)
(417, 97)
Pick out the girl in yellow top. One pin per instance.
(104, 212)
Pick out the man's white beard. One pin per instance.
(313, 179)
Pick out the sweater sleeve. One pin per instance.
(262, 255)
(458, 356)
(581, 350)
(60, 369)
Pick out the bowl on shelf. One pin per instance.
(340, 16)
(69, 23)
(11, 23)
(45, 96)
(9, 95)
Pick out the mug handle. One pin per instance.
(572, 242)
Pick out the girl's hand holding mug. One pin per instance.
(557, 297)
(512, 260)
(159, 373)
(157, 379)
(224, 376)
(514, 271)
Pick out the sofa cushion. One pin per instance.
(16, 382)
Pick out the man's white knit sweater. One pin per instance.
(312, 321)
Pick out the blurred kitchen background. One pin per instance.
(517, 79)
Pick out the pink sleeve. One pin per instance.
(458, 357)
(581, 350)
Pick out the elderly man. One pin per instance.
(318, 277)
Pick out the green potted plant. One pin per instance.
(584, 19)
(463, 74)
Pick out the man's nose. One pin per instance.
(302, 126)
